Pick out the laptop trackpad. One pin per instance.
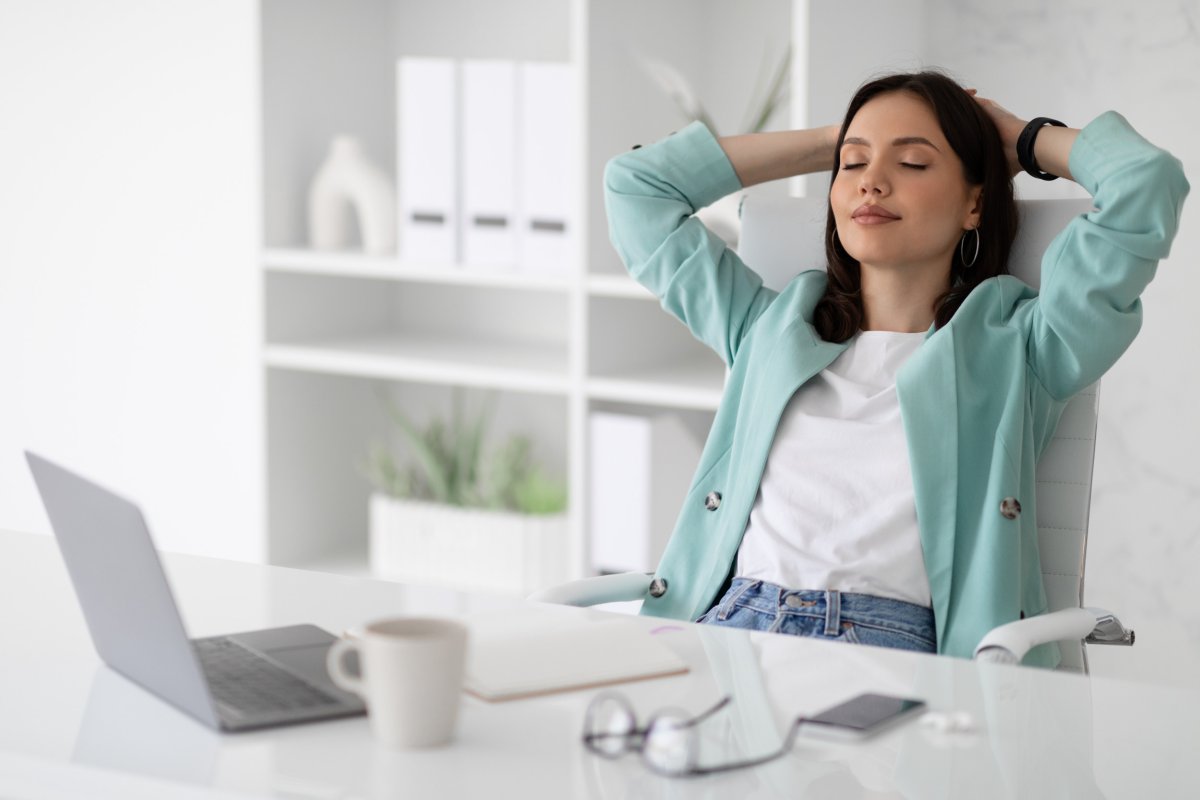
(300, 648)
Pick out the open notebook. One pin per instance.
(534, 653)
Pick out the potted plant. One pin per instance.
(458, 515)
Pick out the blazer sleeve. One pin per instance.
(650, 194)
(1093, 273)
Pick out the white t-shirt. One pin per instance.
(836, 509)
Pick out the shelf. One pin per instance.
(696, 385)
(617, 286)
(540, 369)
(336, 321)
(360, 265)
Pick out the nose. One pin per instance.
(871, 180)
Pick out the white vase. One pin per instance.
(348, 183)
(466, 548)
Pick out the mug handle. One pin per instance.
(335, 662)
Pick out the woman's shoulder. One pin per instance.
(810, 280)
(804, 291)
(999, 298)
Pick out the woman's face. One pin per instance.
(897, 163)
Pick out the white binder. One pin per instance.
(489, 153)
(427, 159)
(640, 470)
(547, 137)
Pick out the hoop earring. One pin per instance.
(962, 246)
(836, 243)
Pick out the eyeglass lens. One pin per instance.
(670, 745)
(609, 725)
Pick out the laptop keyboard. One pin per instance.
(249, 683)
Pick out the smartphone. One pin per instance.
(862, 716)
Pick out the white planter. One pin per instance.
(466, 548)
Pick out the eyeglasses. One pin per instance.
(669, 743)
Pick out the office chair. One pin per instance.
(780, 233)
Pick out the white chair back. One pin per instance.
(782, 237)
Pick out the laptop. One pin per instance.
(235, 682)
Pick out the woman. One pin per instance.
(865, 472)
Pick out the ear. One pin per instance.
(975, 199)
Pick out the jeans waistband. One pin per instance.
(831, 604)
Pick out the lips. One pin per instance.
(870, 212)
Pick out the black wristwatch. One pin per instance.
(1025, 146)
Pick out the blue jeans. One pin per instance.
(833, 615)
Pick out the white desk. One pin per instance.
(69, 727)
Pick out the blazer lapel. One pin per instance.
(929, 409)
(798, 356)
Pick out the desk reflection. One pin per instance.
(1033, 736)
(126, 729)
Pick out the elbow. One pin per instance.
(1165, 175)
(1174, 186)
(620, 188)
(618, 175)
(1156, 205)
(1168, 171)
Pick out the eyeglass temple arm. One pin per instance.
(724, 701)
(788, 741)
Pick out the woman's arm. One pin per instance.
(1088, 310)
(651, 194)
(762, 157)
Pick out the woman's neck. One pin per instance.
(899, 299)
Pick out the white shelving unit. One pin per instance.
(357, 265)
(343, 328)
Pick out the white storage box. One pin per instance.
(640, 470)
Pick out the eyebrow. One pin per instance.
(895, 142)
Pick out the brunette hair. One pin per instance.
(975, 140)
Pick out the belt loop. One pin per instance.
(732, 597)
(833, 612)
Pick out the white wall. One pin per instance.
(1073, 60)
(129, 296)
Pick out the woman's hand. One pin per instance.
(1009, 125)
(1051, 149)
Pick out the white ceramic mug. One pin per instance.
(412, 677)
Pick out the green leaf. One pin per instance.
(429, 450)
(449, 464)
(540, 494)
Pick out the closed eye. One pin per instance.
(902, 163)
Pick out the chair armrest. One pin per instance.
(1009, 643)
(624, 586)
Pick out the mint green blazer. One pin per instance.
(979, 400)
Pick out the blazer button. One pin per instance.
(712, 501)
(658, 587)
(1010, 508)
